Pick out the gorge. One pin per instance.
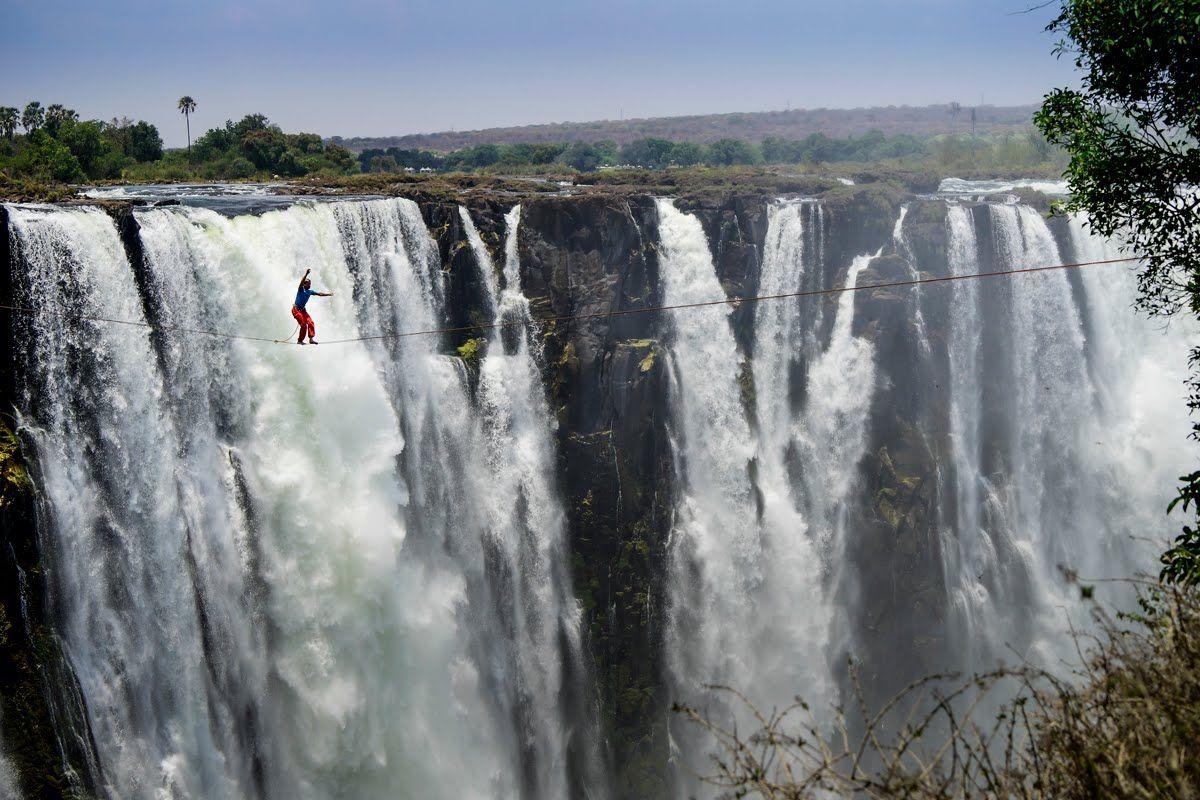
(484, 562)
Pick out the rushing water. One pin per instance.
(1067, 428)
(297, 572)
(761, 514)
(342, 571)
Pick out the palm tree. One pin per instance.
(33, 117)
(9, 117)
(186, 106)
(56, 115)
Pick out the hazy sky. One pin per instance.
(366, 67)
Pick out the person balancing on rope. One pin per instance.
(303, 292)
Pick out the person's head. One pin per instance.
(307, 283)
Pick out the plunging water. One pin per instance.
(291, 572)
(285, 572)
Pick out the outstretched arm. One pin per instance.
(323, 294)
(302, 280)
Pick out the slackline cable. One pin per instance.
(574, 317)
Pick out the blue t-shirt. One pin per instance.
(302, 297)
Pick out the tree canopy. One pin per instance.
(59, 146)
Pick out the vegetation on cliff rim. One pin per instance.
(58, 149)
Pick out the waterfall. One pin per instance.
(343, 570)
(760, 518)
(283, 571)
(715, 542)
(527, 521)
(1064, 458)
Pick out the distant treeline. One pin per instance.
(797, 123)
(1012, 150)
(56, 146)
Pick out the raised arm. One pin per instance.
(300, 285)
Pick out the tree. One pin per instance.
(726, 152)
(145, 144)
(686, 154)
(583, 156)
(9, 117)
(32, 117)
(1132, 129)
(649, 152)
(83, 140)
(48, 159)
(384, 164)
(263, 148)
(186, 106)
(56, 115)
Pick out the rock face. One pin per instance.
(594, 258)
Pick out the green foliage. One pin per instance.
(1132, 129)
(85, 140)
(582, 156)
(14, 478)
(46, 158)
(9, 117)
(144, 143)
(62, 148)
(1181, 563)
(32, 117)
(56, 116)
(651, 152)
(254, 147)
(470, 350)
(727, 152)
(249, 148)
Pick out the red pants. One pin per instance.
(307, 326)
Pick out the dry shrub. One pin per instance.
(1123, 723)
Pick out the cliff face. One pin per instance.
(607, 388)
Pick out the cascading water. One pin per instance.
(715, 542)
(256, 603)
(1062, 444)
(341, 570)
(756, 539)
(528, 524)
(807, 450)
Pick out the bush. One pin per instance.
(47, 158)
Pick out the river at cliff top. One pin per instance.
(958, 187)
(228, 199)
